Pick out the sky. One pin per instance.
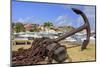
(58, 14)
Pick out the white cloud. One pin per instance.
(28, 18)
(20, 20)
(64, 20)
(90, 13)
(71, 6)
(88, 10)
(79, 21)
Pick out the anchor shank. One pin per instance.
(72, 32)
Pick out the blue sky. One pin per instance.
(58, 14)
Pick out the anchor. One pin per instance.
(51, 49)
(60, 53)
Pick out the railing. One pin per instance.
(22, 42)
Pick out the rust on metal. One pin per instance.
(44, 50)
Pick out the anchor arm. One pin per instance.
(87, 27)
(84, 26)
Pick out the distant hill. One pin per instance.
(67, 28)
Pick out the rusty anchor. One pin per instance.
(60, 54)
(85, 26)
(50, 48)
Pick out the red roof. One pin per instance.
(28, 26)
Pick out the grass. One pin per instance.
(23, 40)
(75, 53)
(86, 55)
(16, 47)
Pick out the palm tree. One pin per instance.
(48, 25)
(19, 27)
(35, 27)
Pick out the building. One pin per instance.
(28, 27)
